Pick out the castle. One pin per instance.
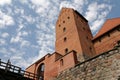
(75, 44)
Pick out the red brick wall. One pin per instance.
(72, 40)
(107, 42)
(68, 61)
(52, 65)
(31, 68)
(85, 36)
(77, 33)
(51, 69)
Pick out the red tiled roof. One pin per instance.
(107, 26)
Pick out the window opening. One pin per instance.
(90, 48)
(59, 25)
(68, 17)
(61, 62)
(64, 29)
(66, 50)
(83, 28)
(65, 39)
(99, 40)
(108, 35)
(63, 21)
(87, 37)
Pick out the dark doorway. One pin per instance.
(41, 71)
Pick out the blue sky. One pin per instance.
(27, 27)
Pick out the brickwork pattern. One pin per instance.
(105, 66)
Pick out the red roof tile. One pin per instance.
(107, 26)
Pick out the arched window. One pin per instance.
(40, 71)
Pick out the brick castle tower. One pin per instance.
(73, 33)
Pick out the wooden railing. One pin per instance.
(15, 69)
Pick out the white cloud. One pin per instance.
(17, 58)
(24, 17)
(92, 12)
(3, 50)
(5, 35)
(45, 42)
(8, 20)
(95, 9)
(25, 43)
(96, 14)
(24, 33)
(15, 39)
(3, 2)
(24, 1)
(18, 11)
(5, 20)
(48, 12)
(13, 50)
(42, 3)
(18, 37)
(20, 27)
(97, 24)
(75, 4)
(22, 63)
(9, 11)
(28, 18)
(2, 42)
(67, 4)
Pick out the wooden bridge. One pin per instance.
(11, 72)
